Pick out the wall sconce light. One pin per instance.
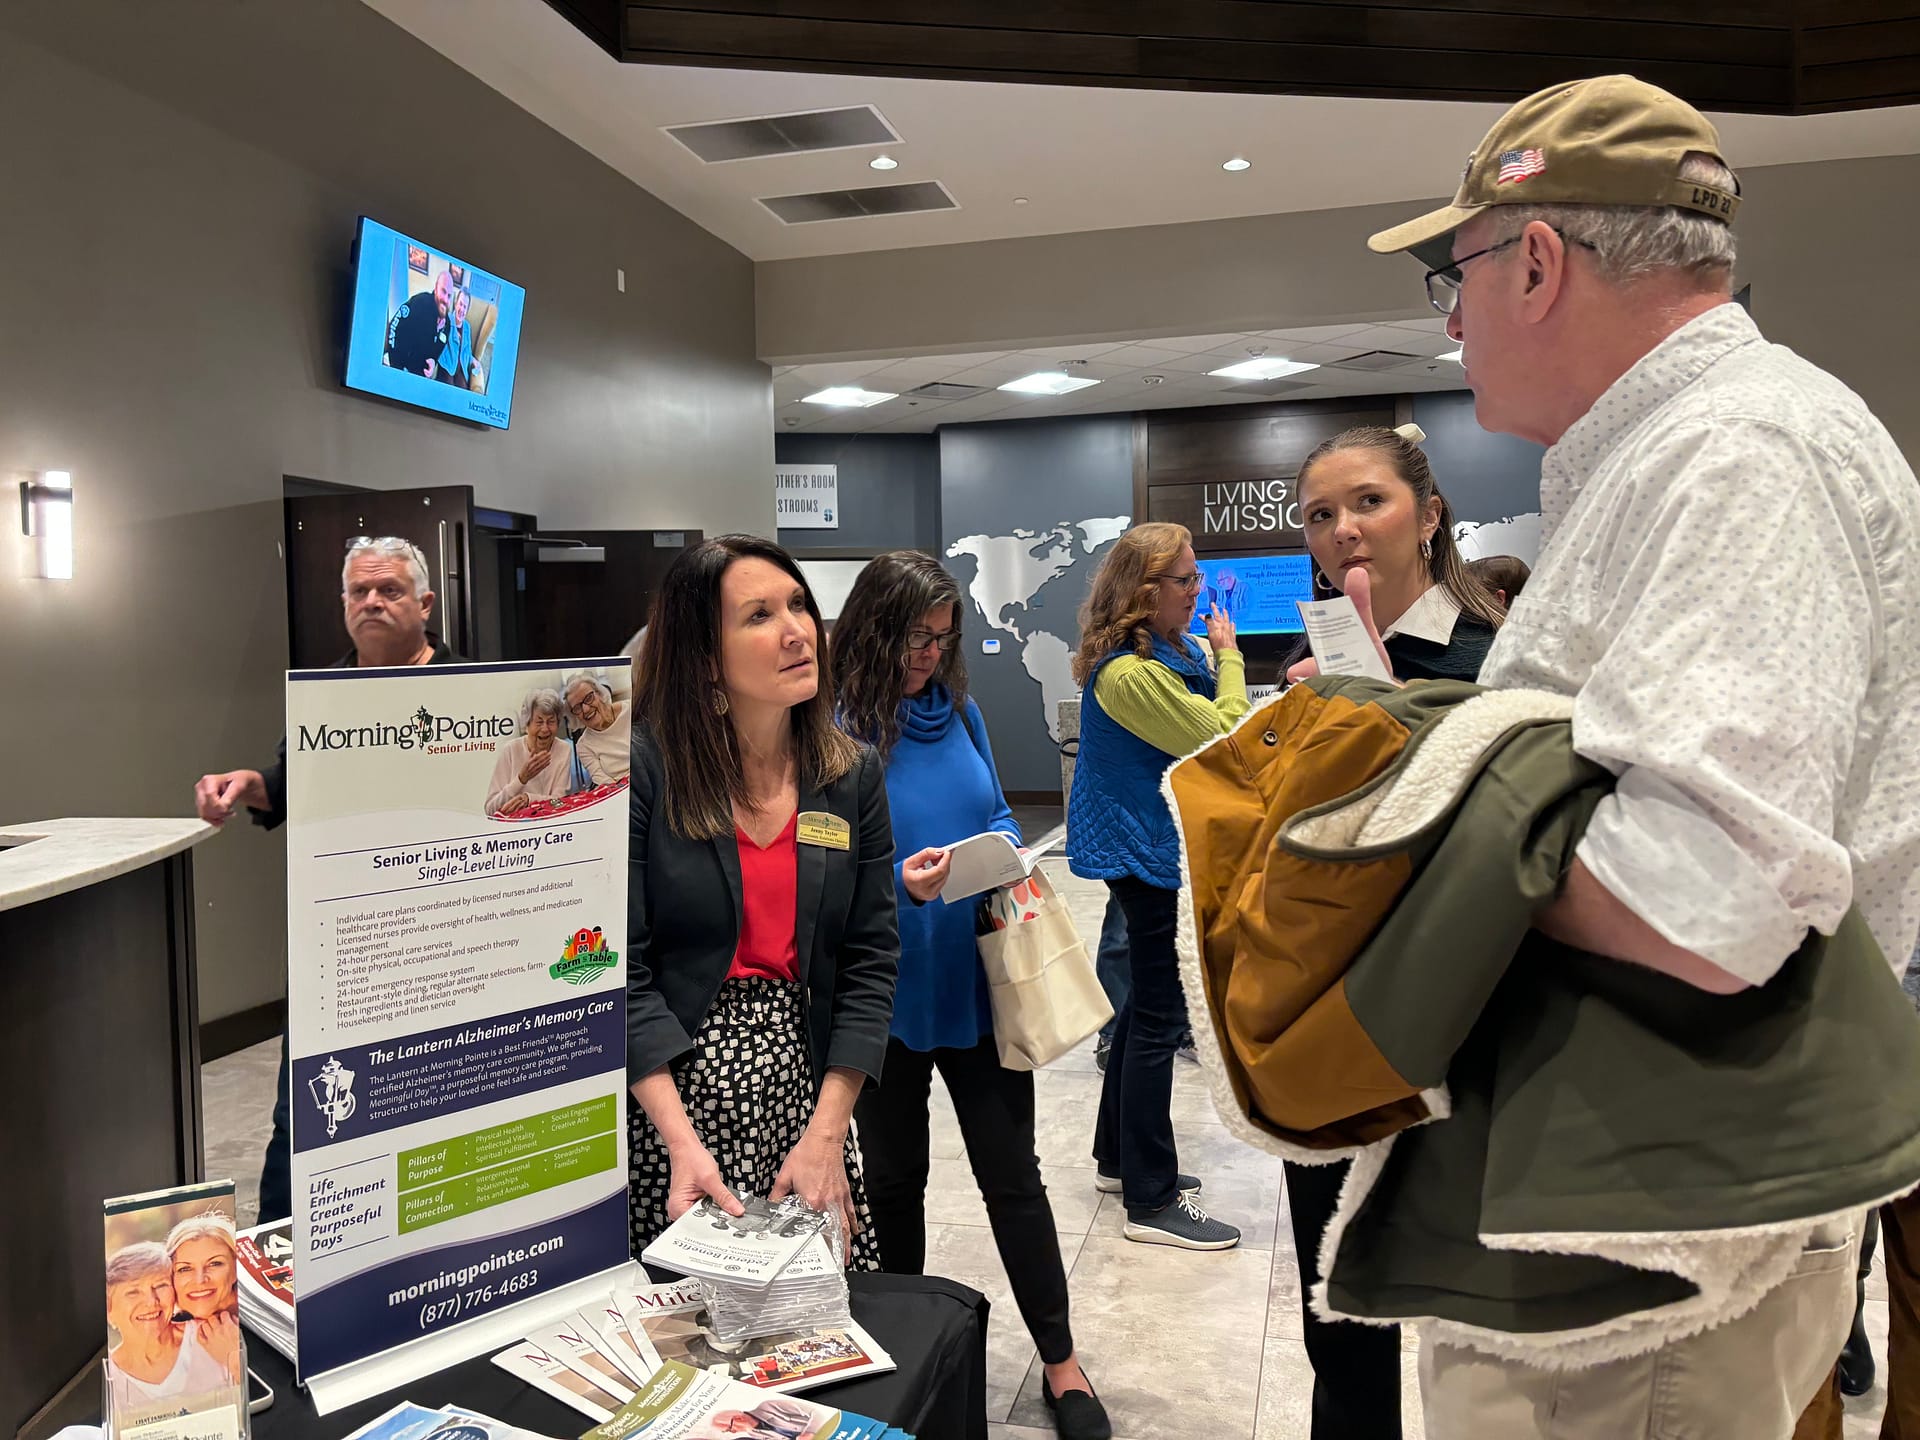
(46, 515)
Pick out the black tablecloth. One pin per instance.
(935, 1330)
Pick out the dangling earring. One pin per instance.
(1426, 549)
(1320, 578)
(720, 706)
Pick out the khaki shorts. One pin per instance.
(1746, 1380)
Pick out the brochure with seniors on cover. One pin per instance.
(176, 1366)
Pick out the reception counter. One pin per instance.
(99, 1077)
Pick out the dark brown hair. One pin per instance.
(704, 777)
(1447, 567)
(870, 642)
(1125, 595)
(1502, 574)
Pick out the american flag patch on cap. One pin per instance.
(1518, 165)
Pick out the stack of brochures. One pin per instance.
(603, 1358)
(265, 1254)
(416, 1422)
(772, 1268)
(680, 1401)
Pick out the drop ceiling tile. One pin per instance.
(1145, 357)
(1194, 344)
(1385, 337)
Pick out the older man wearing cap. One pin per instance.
(1724, 520)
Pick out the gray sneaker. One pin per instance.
(1184, 1224)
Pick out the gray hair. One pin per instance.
(544, 702)
(391, 545)
(1631, 242)
(587, 677)
(131, 1262)
(202, 1227)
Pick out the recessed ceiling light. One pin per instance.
(1019, 199)
(1458, 355)
(1236, 164)
(1153, 379)
(848, 397)
(1262, 368)
(883, 162)
(1049, 382)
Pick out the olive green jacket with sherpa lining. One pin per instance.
(1557, 1157)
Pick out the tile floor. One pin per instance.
(1179, 1343)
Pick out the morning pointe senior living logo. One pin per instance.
(585, 959)
(422, 730)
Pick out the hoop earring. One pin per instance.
(1426, 549)
(1320, 578)
(720, 705)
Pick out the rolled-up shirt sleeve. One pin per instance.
(1731, 734)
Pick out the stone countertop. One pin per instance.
(43, 858)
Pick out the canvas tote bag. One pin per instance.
(1046, 997)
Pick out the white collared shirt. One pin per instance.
(1729, 586)
(1430, 617)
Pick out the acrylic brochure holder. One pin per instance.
(377, 1374)
(164, 1419)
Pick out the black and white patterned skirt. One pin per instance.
(748, 1089)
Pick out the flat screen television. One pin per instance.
(431, 330)
(1257, 591)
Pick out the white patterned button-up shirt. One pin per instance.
(1729, 586)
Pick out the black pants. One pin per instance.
(995, 1108)
(1356, 1368)
(1133, 1137)
(276, 1168)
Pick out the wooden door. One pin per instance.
(578, 606)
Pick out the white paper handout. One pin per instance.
(748, 1249)
(986, 862)
(1339, 639)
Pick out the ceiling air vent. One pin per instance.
(855, 204)
(945, 390)
(1377, 360)
(797, 134)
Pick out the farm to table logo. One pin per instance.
(585, 959)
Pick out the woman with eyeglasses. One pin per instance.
(1148, 696)
(902, 686)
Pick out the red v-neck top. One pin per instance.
(769, 886)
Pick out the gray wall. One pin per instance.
(182, 181)
(1036, 474)
(1033, 475)
(1484, 476)
(889, 489)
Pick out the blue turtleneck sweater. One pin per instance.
(941, 787)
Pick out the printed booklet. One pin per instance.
(987, 862)
(749, 1249)
(669, 1323)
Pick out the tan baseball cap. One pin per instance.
(1613, 140)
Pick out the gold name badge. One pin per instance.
(819, 828)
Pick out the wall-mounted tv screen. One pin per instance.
(1257, 591)
(432, 330)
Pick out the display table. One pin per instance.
(935, 1330)
(100, 1070)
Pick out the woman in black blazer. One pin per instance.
(762, 935)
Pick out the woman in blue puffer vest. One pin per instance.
(1148, 697)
